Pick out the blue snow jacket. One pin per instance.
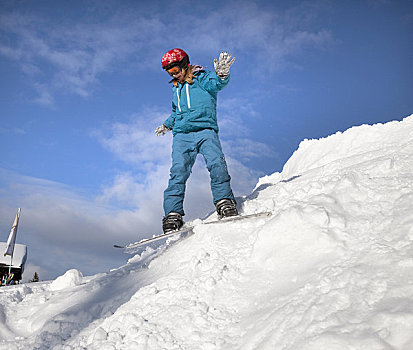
(194, 105)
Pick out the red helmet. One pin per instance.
(175, 57)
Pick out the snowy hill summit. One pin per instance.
(332, 268)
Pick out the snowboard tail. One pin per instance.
(155, 238)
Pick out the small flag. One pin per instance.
(12, 237)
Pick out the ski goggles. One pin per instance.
(174, 71)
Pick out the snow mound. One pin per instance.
(332, 268)
(357, 144)
(71, 278)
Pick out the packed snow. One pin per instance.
(71, 278)
(332, 268)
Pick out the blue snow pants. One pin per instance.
(185, 148)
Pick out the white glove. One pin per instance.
(161, 130)
(223, 64)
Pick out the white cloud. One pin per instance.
(64, 227)
(135, 142)
(267, 36)
(70, 56)
(44, 96)
(234, 115)
(246, 150)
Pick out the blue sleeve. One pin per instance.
(170, 122)
(211, 82)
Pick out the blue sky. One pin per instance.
(82, 90)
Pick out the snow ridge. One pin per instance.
(332, 268)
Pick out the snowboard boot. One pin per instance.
(226, 208)
(172, 222)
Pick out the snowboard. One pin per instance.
(189, 227)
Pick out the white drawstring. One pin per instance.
(187, 96)
(177, 95)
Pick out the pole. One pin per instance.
(11, 263)
(13, 239)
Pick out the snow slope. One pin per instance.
(332, 268)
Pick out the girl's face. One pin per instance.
(177, 73)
